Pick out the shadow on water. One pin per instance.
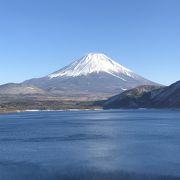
(30, 171)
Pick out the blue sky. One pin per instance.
(38, 37)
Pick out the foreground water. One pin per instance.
(92, 145)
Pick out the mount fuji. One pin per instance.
(94, 76)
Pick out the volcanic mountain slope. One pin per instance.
(147, 97)
(94, 76)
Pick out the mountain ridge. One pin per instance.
(147, 97)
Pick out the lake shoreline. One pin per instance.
(80, 109)
(46, 110)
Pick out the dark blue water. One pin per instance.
(92, 145)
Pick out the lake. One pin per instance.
(90, 145)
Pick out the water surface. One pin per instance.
(112, 144)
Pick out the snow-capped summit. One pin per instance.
(93, 63)
(94, 76)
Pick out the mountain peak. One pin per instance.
(97, 56)
(93, 63)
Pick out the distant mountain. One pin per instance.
(15, 97)
(147, 97)
(94, 76)
(20, 89)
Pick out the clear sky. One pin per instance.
(38, 37)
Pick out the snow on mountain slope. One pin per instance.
(93, 63)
